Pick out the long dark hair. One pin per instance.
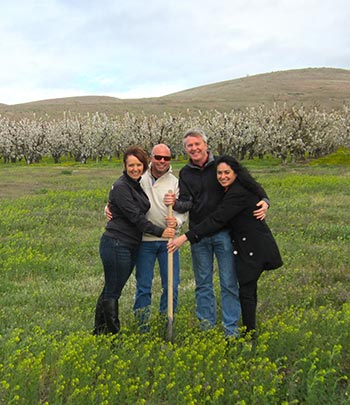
(243, 175)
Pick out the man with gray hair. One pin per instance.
(200, 194)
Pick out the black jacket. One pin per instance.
(254, 246)
(129, 204)
(200, 192)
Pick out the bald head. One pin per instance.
(160, 160)
(161, 149)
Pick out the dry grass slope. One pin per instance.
(326, 88)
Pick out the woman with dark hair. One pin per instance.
(254, 246)
(119, 243)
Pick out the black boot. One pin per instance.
(100, 321)
(110, 307)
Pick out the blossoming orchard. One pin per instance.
(287, 133)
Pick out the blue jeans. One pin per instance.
(118, 261)
(203, 253)
(148, 253)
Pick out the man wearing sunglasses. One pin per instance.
(156, 182)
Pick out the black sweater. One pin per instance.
(129, 204)
(200, 192)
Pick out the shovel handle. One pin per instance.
(170, 284)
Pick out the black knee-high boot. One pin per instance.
(111, 312)
(100, 321)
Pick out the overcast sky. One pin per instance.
(149, 48)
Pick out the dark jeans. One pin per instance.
(249, 298)
(118, 261)
(203, 253)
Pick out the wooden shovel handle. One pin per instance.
(170, 285)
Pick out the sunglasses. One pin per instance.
(160, 157)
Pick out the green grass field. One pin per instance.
(51, 220)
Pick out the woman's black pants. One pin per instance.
(248, 298)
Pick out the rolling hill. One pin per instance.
(327, 88)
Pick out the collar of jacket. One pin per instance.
(210, 161)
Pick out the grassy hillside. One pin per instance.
(323, 86)
(326, 88)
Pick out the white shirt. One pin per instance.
(155, 190)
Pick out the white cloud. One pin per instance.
(58, 48)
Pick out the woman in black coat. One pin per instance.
(120, 241)
(254, 246)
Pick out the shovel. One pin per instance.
(170, 286)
